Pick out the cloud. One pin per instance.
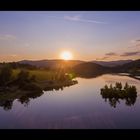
(111, 54)
(78, 19)
(103, 58)
(7, 37)
(135, 41)
(73, 18)
(130, 53)
(108, 55)
(137, 45)
(13, 55)
(138, 40)
(8, 55)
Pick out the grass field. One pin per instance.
(48, 80)
(40, 74)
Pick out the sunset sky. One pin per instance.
(88, 35)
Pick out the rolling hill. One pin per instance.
(133, 66)
(58, 63)
(89, 69)
(112, 63)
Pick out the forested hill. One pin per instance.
(90, 69)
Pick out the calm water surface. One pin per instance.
(77, 106)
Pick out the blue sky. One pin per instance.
(88, 35)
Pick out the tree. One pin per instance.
(126, 86)
(113, 94)
(133, 71)
(33, 78)
(118, 86)
(5, 74)
(23, 78)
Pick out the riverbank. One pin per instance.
(56, 85)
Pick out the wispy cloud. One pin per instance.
(130, 53)
(107, 56)
(8, 55)
(78, 18)
(111, 54)
(73, 18)
(135, 43)
(7, 37)
(13, 55)
(102, 58)
(138, 40)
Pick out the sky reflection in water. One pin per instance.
(77, 106)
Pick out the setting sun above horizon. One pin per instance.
(66, 55)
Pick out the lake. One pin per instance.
(80, 106)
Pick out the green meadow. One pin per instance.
(41, 75)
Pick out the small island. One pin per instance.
(114, 93)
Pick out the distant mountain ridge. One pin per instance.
(88, 69)
(51, 63)
(112, 63)
(58, 62)
(130, 66)
(82, 68)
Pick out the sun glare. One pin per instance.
(66, 55)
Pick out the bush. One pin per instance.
(23, 76)
(5, 75)
(33, 78)
(31, 87)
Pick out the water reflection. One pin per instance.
(24, 97)
(89, 76)
(7, 99)
(113, 95)
(79, 106)
(59, 87)
(113, 101)
(6, 104)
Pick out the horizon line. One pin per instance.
(67, 60)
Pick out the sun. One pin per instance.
(66, 55)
